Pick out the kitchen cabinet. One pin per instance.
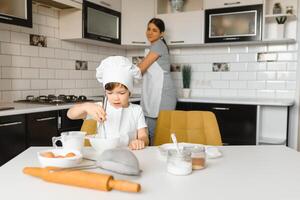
(211, 4)
(12, 137)
(66, 124)
(62, 4)
(16, 12)
(112, 4)
(94, 24)
(18, 132)
(272, 124)
(41, 127)
(185, 28)
(182, 28)
(237, 123)
(135, 17)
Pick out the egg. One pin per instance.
(71, 154)
(48, 154)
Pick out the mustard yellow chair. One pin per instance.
(190, 126)
(89, 126)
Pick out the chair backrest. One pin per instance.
(190, 126)
(90, 127)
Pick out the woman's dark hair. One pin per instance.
(161, 26)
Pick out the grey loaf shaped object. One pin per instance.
(121, 161)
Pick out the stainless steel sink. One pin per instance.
(6, 108)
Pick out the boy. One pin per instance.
(121, 118)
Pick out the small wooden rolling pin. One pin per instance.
(83, 179)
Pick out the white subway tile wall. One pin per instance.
(30, 70)
(246, 76)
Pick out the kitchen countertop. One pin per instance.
(25, 108)
(243, 172)
(244, 101)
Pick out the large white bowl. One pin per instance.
(60, 162)
(101, 144)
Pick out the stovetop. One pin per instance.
(54, 100)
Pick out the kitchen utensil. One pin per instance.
(174, 139)
(104, 105)
(83, 179)
(121, 161)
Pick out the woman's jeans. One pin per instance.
(151, 122)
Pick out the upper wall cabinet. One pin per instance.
(94, 24)
(17, 12)
(211, 4)
(184, 23)
(135, 17)
(62, 4)
(111, 4)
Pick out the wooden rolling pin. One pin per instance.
(82, 179)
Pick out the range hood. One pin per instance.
(62, 4)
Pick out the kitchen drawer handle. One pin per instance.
(176, 42)
(10, 124)
(220, 108)
(232, 3)
(137, 42)
(104, 3)
(7, 18)
(45, 119)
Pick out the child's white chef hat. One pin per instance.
(118, 69)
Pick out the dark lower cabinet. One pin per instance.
(17, 132)
(41, 127)
(237, 123)
(66, 124)
(12, 137)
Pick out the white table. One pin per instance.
(244, 172)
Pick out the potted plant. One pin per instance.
(186, 80)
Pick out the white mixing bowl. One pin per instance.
(100, 144)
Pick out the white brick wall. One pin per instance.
(30, 70)
(246, 76)
(26, 69)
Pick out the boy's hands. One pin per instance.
(137, 144)
(96, 111)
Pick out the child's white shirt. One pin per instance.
(123, 122)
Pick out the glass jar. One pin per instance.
(198, 156)
(289, 10)
(277, 8)
(179, 163)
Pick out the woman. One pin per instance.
(158, 90)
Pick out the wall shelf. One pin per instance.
(281, 15)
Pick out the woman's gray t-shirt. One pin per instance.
(161, 49)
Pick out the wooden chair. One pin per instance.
(190, 126)
(90, 127)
